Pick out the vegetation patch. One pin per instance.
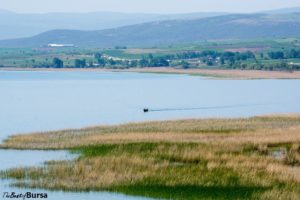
(186, 159)
(192, 192)
(262, 55)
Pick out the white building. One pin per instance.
(61, 45)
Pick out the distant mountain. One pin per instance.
(283, 10)
(26, 25)
(239, 26)
(3, 11)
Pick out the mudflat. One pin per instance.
(210, 73)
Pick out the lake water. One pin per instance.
(40, 101)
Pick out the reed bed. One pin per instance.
(245, 158)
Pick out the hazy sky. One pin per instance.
(145, 6)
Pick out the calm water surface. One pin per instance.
(40, 101)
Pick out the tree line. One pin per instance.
(293, 53)
(227, 59)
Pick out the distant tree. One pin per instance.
(210, 63)
(228, 54)
(111, 62)
(158, 62)
(80, 63)
(222, 60)
(184, 64)
(150, 56)
(102, 62)
(293, 53)
(245, 55)
(261, 55)
(98, 56)
(144, 62)
(276, 55)
(133, 63)
(91, 64)
(57, 63)
(231, 61)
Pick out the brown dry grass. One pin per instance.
(222, 158)
(256, 130)
(224, 74)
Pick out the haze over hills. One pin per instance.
(236, 26)
(283, 10)
(26, 25)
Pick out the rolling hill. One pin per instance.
(283, 10)
(236, 26)
(26, 25)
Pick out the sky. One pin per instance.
(145, 6)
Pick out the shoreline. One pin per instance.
(210, 73)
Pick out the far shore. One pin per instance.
(212, 73)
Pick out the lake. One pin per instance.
(41, 101)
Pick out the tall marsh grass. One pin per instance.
(186, 159)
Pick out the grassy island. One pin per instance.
(242, 158)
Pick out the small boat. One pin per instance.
(146, 110)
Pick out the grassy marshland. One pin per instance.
(253, 158)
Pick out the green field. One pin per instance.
(131, 57)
